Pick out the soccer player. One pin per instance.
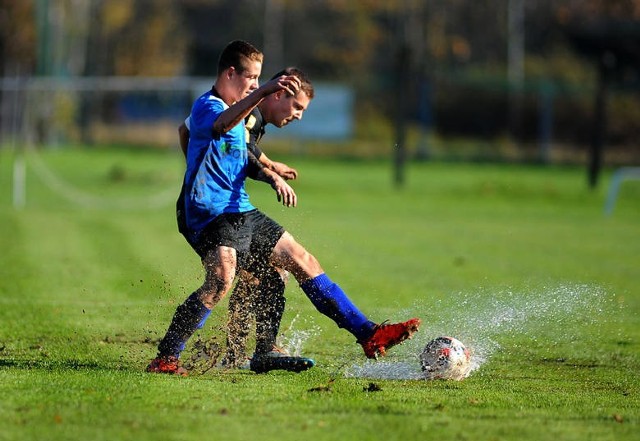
(264, 301)
(261, 299)
(229, 233)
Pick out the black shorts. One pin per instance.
(252, 234)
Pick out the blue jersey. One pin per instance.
(216, 167)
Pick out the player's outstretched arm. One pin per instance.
(239, 111)
(259, 172)
(283, 170)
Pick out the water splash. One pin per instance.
(482, 319)
(293, 340)
(386, 370)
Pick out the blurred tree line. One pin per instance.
(488, 69)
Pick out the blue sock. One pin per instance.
(330, 300)
(189, 316)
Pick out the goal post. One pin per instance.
(37, 112)
(619, 176)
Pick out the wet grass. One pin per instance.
(518, 261)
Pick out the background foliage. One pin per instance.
(490, 69)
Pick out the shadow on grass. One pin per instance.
(65, 365)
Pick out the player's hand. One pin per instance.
(285, 193)
(289, 83)
(284, 170)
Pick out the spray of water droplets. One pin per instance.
(293, 340)
(482, 319)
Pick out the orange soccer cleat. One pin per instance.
(167, 365)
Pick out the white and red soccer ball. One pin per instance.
(445, 358)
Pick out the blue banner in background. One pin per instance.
(328, 117)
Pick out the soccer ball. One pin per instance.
(445, 358)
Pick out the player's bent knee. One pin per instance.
(293, 257)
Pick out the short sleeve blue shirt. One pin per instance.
(216, 166)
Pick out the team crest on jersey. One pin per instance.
(230, 149)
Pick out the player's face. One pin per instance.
(246, 81)
(290, 108)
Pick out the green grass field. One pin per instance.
(517, 261)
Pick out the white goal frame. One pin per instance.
(619, 176)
